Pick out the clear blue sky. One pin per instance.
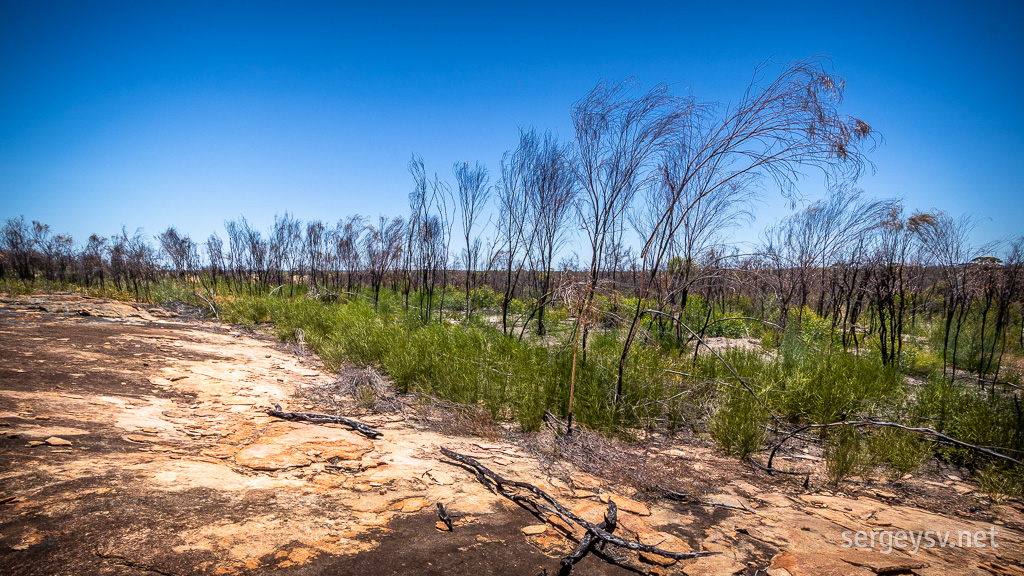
(147, 114)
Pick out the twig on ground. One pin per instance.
(210, 304)
(770, 470)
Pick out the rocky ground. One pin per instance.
(134, 442)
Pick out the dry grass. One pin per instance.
(358, 391)
(633, 465)
(364, 391)
(454, 419)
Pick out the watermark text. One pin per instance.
(885, 541)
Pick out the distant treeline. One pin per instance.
(860, 265)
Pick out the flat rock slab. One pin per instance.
(291, 444)
(627, 504)
(844, 563)
(55, 441)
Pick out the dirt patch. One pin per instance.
(132, 442)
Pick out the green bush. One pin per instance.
(844, 456)
(484, 298)
(983, 416)
(739, 423)
(732, 328)
(1000, 482)
(901, 451)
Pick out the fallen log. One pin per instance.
(497, 483)
(325, 419)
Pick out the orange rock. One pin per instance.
(220, 451)
(590, 511)
(559, 524)
(535, 529)
(271, 457)
(664, 541)
(627, 504)
(302, 555)
(718, 565)
(815, 564)
(550, 542)
(289, 444)
(633, 526)
(413, 504)
(585, 480)
(371, 502)
(879, 563)
(329, 481)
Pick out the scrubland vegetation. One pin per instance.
(848, 312)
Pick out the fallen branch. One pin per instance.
(497, 483)
(325, 419)
(208, 303)
(927, 432)
(688, 498)
(770, 470)
(558, 424)
(355, 294)
(611, 518)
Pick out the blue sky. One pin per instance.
(148, 114)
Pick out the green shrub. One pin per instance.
(901, 451)
(732, 328)
(484, 298)
(1000, 482)
(807, 380)
(739, 423)
(983, 416)
(844, 456)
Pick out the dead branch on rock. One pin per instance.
(325, 419)
(690, 498)
(497, 483)
(611, 518)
